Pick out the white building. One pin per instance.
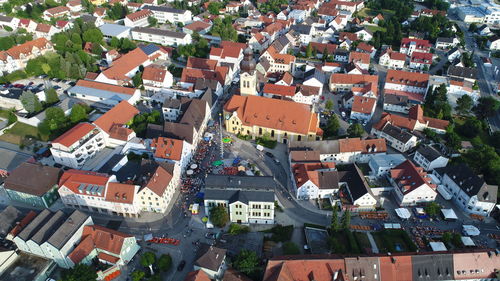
(429, 158)
(160, 36)
(393, 59)
(156, 77)
(103, 93)
(307, 94)
(138, 19)
(248, 200)
(380, 165)
(171, 150)
(77, 145)
(166, 14)
(114, 124)
(314, 180)
(412, 185)
(396, 103)
(494, 43)
(363, 108)
(470, 192)
(396, 137)
(9, 21)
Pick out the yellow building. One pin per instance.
(98, 2)
(279, 120)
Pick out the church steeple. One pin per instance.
(248, 75)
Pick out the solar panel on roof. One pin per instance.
(149, 49)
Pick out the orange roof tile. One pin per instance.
(292, 270)
(280, 90)
(74, 134)
(120, 193)
(139, 15)
(23, 223)
(57, 10)
(397, 268)
(197, 275)
(359, 57)
(159, 181)
(27, 47)
(126, 64)
(363, 104)
(275, 114)
(410, 177)
(118, 116)
(154, 73)
(75, 179)
(201, 63)
(83, 249)
(168, 148)
(415, 79)
(109, 258)
(105, 239)
(198, 26)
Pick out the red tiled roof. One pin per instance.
(364, 146)
(397, 56)
(189, 75)
(159, 181)
(23, 223)
(197, 275)
(415, 79)
(281, 90)
(120, 193)
(57, 10)
(139, 15)
(119, 115)
(293, 270)
(419, 57)
(126, 64)
(410, 177)
(168, 148)
(154, 73)
(105, 239)
(359, 57)
(363, 104)
(109, 258)
(421, 43)
(198, 26)
(74, 134)
(201, 63)
(43, 27)
(398, 268)
(304, 172)
(83, 249)
(74, 179)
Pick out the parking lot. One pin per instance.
(40, 83)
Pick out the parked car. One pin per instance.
(269, 154)
(210, 235)
(181, 265)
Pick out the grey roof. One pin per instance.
(172, 103)
(356, 182)
(323, 147)
(5, 18)
(388, 160)
(11, 159)
(88, 18)
(202, 84)
(41, 179)
(98, 93)
(164, 9)
(328, 179)
(111, 29)
(8, 218)
(462, 72)
(301, 28)
(397, 133)
(396, 99)
(194, 110)
(445, 40)
(35, 225)
(67, 229)
(209, 257)
(49, 228)
(111, 163)
(161, 32)
(470, 183)
(432, 267)
(429, 152)
(240, 182)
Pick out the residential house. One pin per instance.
(27, 24)
(16, 57)
(396, 103)
(278, 91)
(410, 45)
(97, 192)
(493, 43)
(307, 94)
(211, 260)
(314, 180)
(56, 12)
(457, 88)
(366, 48)
(462, 73)
(469, 191)
(429, 158)
(161, 36)
(166, 14)
(281, 120)
(279, 62)
(314, 77)
(421, 61)
(360, 59)
(415, 121)
(200, 27)
(380, 165)
(354, 193)
(77, 145)
(11, 22)
(138, 19)
(114, 124)
(75, 6)
(156, 77)
(396, 137)
(363, 108)
(412, 185)
(230, 53)
(172, 150)
(247, 199)
(364, 35)
(303, 32)
(414, 85)
(392, 59)
(453, 54)
(44, 30)
(38, 190)
(446, 42)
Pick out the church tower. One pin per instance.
(248, 75)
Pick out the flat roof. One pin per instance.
(111, 29)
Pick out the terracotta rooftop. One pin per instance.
(120, 193)
(201, 63)
(139, 15)
(125, 64)
(280, 90)
(118, 116)
(74, 134)
(414, 79)
(154, 73)
(198, 26)
(410, 177)
(363, 104)
(78, 181)
(168, 148)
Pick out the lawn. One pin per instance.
(21, 133)
(367, 12)
(344, 242)
(374, 28)
(393, 240)
(363, 242)
(459, 121)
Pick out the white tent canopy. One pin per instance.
(189, 172)
(392, 226)
(446, 195)
(194, 166)
(449, 214)
(403, 213)
(468, 241)
(438, 246)
(470, 230)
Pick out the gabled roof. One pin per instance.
(410, 177)
(74, 134)
(120, 193)
(197, 275)
(210, 257)
(201, 63)
(414, 79)
(118, 116)
(156, 176)
(154, 73)
(139, 15)
(68, 228)
(87, 183)
(304, 172)
(280, 90)
(167, 148)
(41, 179)
(126, 64)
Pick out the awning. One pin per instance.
(449, 214)
(403, 213)
(467, 241)
(470, 230)
(438, 246)
(189, 172)
(446, 195)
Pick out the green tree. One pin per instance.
(355, 130)
(464, 104)
(7, 8)
(93, 35)
(30, 102)
(127, 45)
(332, 126)
(471, 128)
(246, 262)
(80, 272)
(55, 118)
(432, 209)
(453, 139)
(165, 262)
(117, 11)
(290, 248)
(487, 107)
(219, 216)
(309, 51)
(114, 42)
(334, 224)
(137, 79)
(7, 43)
(97, 49)
(51, 96)
(224, 29)
(446, 237)
(473, 27)
(138, 275)
(78, 113)
(236, 229)
(346, 220)
(152, 21)
(147, 260)
(329, 105)
(214, 7)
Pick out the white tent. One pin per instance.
(189, 172)
(438, 246)
(194, 166)
(403, 213)
(470, 230)
(392, 226)
(468, 241)
(449, 214)
(446, 195)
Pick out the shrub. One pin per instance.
(290, 248)
(236, 229)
